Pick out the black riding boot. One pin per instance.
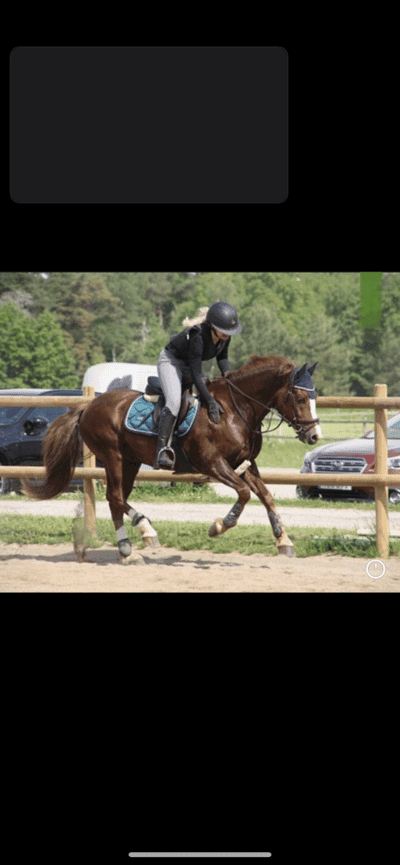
(165, 458)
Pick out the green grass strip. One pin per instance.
(194, 536)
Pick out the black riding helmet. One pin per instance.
(224, 317)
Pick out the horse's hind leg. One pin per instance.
(147, 532)
(283, 542)
(142, 523)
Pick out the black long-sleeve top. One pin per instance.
(194, 345)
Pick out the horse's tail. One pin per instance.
(61, 449)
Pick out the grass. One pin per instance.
(194, 536)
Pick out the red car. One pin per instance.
(354, 455)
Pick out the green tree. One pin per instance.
(263, 334)
(13, 281)
(33, 353)
(85, 311)
(52, 362)
(15, 349)
(319, 342)
(147, 301)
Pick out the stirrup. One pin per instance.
(170, 455)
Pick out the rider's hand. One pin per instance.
(214, 411)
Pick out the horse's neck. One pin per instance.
(262, 385)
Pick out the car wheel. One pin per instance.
(5, 484)
(394, 497)
(303, 493)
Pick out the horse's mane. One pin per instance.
(280, 365)
(270, 363)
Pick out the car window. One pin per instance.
(10, 414)
(393, 429)
(50, 412)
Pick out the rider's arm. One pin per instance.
(195, 358)
(222, 358)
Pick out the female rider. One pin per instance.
(180, 360)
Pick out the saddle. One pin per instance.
(154, 393)
(145, 422)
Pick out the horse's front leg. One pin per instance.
(283, 542)
(225, 474)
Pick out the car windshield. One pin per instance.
(50, 412)
(10, 414)
(393, 429)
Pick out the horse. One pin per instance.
(225, 452)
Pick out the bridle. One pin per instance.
(300, 426)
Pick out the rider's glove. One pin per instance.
(214, 411)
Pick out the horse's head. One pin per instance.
(296, 404)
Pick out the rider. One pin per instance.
(180, 360)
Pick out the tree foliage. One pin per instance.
(129, 316)
(33, 351)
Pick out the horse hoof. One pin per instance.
(217, 528)
(133, 559)
(287, 551)
(152, 542)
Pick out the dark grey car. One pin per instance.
(22, 430)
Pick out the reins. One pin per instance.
(267, 407)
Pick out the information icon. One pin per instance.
(375, 569)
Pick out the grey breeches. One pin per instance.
(171, 371)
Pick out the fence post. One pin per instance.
(89, 488)
(381, 467)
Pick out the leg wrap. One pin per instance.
(234, 513)
(136, 517)
(276, 523)
(125, 548)
(124, 544)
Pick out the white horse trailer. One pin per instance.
(110, 376)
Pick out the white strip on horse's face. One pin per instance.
(317, 429)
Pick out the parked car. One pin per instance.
(22, 430)
(355, 456)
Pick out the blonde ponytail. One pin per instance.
(190, 322)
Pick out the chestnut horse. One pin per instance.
(219, 450)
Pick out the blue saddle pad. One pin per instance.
(140, 418)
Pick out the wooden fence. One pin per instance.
(380, 402)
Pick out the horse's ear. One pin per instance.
(300, 372)
(311, 369)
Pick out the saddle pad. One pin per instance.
(140, 418)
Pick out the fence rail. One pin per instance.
(380, 479)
